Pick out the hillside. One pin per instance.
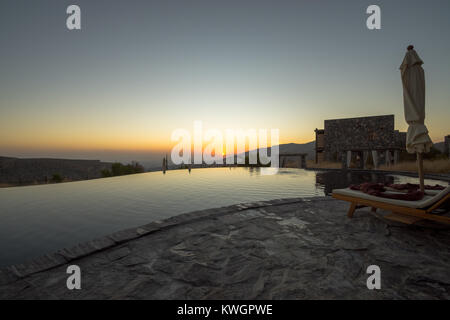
(308, 148)
(17, 171)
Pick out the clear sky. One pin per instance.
(140, 69)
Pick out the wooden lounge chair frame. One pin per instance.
(356, 203)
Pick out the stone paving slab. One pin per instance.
(304, 248)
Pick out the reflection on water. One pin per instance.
(337, 179)
(35, 220)
(329, 180)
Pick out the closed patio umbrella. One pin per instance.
(413, 79)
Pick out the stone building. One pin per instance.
(353, 139)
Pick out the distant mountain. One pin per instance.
(308, 148)
(440, 146)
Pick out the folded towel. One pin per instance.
(379, 190)
(413, 186)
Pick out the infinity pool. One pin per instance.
(35, 220)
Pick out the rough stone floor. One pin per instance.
(281, 249)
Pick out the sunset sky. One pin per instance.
(140, 69)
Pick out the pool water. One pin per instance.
(35, 220)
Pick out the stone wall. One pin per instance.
(357, 134)
(400, 139)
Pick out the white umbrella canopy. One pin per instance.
(413, 79)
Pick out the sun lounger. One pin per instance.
(420, 209)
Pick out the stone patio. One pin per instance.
(281, 249)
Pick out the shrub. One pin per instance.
(56, 177)
(106, 173)
(119, 169)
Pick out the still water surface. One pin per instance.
(35, 220)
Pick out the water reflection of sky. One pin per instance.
(35, 220)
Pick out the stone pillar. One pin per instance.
(344, 159)
(361, 159)
(375, 158)
(349, 159)
(365, 156)
(388, 158)
(396, 156)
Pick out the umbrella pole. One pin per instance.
(420, 166)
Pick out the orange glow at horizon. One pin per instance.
(130, 136)
(124, 143)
